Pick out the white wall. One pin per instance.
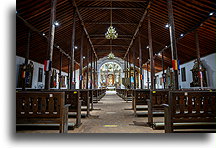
(209, 63)
(35, 83)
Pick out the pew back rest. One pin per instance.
(129, 93)
(72, 97)
(159, 97)
(196, 105)
(141, 96)
(84, 96)
(40, 104)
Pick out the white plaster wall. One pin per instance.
(35, 83)
(145, 86)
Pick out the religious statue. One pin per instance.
(53, 82)
(25, 75)
(199, 74)
(169, 79)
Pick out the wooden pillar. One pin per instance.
(148, 75)
(74, 75)
(26, 58)
(140, 63)
(173, 42)
(152, 65)
(130, 71)
(126, 68)
(134, 63)
(81, 62)
(96, 79)
(50, 43)
(60, 71)
(68, 80)
(91, 69)
(87, 73)
(163, 74)
(94, 72)
(72, 51)
(198, 55)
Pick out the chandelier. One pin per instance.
(111, 32)
(111, 56)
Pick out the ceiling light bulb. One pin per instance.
(167, 25)
(56, 23)
(211, 13)
(182, 35)
(75, 47)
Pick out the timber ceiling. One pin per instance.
(94, 16)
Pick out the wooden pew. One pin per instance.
(191, 106)
(42, 108)
(140, 97)
(157, 98)
(91, 99)
(73, 97)
(85, 98)
(128, 94)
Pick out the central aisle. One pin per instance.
(112, 118)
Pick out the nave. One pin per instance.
(159, 57)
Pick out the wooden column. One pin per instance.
(126, 67)
(72, 51)
(74, 75)
(81, 62)
(60, 70)
(198, 55)
(134, 63)
(151, 54)
(50, 43)
(163, 74)
(68, 80)
(26, 58)
(96, 80)
(129, 69)
(148, 75)
(94, 72)
(140, 63)
(91, 69)
(87, 73)
(173, 41)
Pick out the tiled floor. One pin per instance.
(113, 118)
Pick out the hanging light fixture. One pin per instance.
(111, 32)
(111, 56)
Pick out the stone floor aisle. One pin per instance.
(113, 118)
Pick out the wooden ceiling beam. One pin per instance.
(84, 28)
(142, 1)
(103, 38)
(31, 27)
(125, 46)
(139, 25)
(114, 23)
(102, 35)
(113, 8)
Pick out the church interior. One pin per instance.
(115, 66)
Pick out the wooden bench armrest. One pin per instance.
(165, 105)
